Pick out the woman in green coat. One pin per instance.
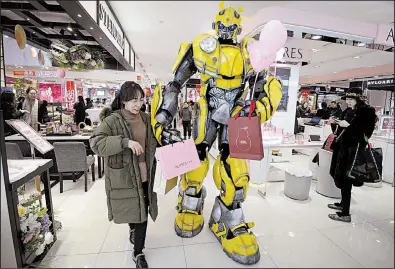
(125, 139)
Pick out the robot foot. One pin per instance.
(233, 233)
(188, 225)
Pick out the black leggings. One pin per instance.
(346, 197)
(140, 229)
(187, 128)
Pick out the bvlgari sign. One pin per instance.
(385, 82)
(110, 26)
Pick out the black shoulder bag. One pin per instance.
(367, 164)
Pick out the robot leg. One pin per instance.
(189, 220)
(227, 218)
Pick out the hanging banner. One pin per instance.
(70, 90)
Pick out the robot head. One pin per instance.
(227, 23)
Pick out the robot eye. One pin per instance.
(232, 27)
(220, 26)
(222, 12)
(237, 15)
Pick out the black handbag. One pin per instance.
(367, 164)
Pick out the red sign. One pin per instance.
(70, 93)
(138, 78)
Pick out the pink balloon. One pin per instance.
(272, 38)
(258, 61)
(61, 73)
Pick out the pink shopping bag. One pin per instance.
(178, 158)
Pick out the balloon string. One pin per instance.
(256, 78)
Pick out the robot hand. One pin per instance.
(245, 111)
(164, 108)
(170, 136)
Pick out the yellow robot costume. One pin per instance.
(225, 70)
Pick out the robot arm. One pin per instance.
(166, 103)
(267, 95)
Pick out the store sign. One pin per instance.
(385, 82)
(110, 26)
(294, 54)
(385, 35)
(37, 74)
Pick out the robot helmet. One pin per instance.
(227, 23)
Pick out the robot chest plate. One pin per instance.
(231, 61)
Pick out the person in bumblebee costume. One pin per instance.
(225, 70)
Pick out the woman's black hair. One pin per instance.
(129, 90)
(7, 97)
(81, 99)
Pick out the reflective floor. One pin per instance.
(290, 233)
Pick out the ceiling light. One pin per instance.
(79, 15)
(100, 38)
(316, 37)
(350, 79)
(69, 28)
(361, 44)
(91, 28)
(357, 57)
(28, 19)
(335, 72)
(34, 32)
(316, 66)
(75, 34)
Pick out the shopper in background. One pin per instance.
(186, 116)
(89, 103)
(355, 125)
(43, 112)
(304, 109)
(335, 110)
(125, 140)
(323, 112)
(193, 108)
(9, 111)
(20, 101)
(79, 108)
(143, 108)
(30, 104)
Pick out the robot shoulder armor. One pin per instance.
(205, 43)
(184, 48)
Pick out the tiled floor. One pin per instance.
(290, 233)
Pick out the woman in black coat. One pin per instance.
(79, 108)
(10, 112)
(356, 125)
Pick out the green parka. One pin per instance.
(125, 195)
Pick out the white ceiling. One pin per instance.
(332, 57)
(156, 28)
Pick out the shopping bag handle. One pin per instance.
(252, 109)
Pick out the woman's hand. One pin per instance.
(342, 123)
(135, 147)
